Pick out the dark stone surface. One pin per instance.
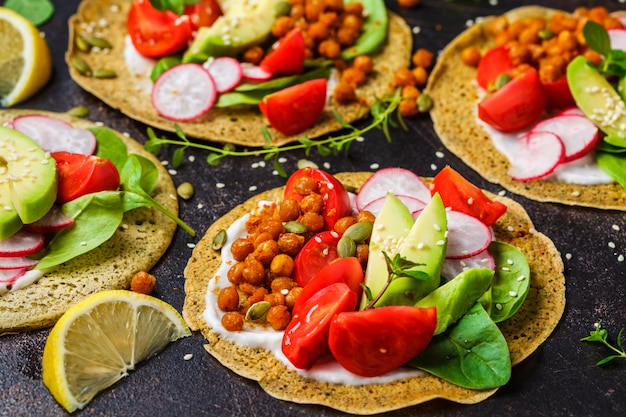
(560, 379)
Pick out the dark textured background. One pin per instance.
(560, 379)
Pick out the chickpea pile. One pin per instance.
(548, 46)
(264, 265)
(411, 80)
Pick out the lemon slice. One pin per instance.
(97, 341)
(25, 61)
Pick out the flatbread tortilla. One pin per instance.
(524, 332)
(137, 246)
(240, 126)
(455, 96)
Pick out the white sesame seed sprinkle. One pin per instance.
(191, 245)
(521, 278)
(188, 357)
(374, 166)
(172, 171)
(252, 188)
(220, 185)
(512, 293)
(498, 306)
(568, 256)
(612, 245)
(615, 227)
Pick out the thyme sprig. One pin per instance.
(601, 335)
(381, 113)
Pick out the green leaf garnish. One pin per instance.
(600, 335)
(37, 12)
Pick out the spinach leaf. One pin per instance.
(615, 141)
(139, 172)
(614, 164)
(511, 282)
(37, 11)
(110, 146)
(472, 354)
(96, 217)
(279, 83)
(241, 98)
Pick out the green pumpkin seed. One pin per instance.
(303, 163)
(81, 66)
(104, 73)
(359, 231)
(295, 227)
(98, 42)
(257, 311)
(502, 80)
(219, 240)
(424, 103)
(79, 111)
(82, 44)
(346, 247)
(185, 190)
(545, 34)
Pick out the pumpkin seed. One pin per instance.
(359, 231)
(185, 190)
(502, 80)
(81, 66)
(104, 73)
(82, 44)
(303, 163)
(219, 240)
(98, 42)
(424, 103)
(257, 311)
(79, 111)
(346, 247)
(294, 227)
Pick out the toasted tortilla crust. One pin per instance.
(532, 324)
(453, 90)
(137, 246)
(240, 126)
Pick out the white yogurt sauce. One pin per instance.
(25, 280)
(138, 65)
(324, 370)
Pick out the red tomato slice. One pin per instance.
(203, 13)
(336, 198)
(80, 174)
(373, 342)
(296, 108)
(288, 56)
(346, 270)
(306, 337)
(495, 62)
(318, 252)
(461, 195)
(558, 94)
(155, 33)
(516, 105)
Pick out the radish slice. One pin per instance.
(53, 221)
(618, 38)
(398, 181)
(22, 243)
(226, 72)
(16, 262)
(252, 72)
(467, 236)
(413, 204)
(9, 276)
(578, 134)
(55, 135)
(184, 92)
(537, 154)
(453, 267)
(571, 111)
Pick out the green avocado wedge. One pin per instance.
(28, 181)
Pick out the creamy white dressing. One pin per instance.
(23, 281)
(324, 370)
(138, 65)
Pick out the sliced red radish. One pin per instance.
(398, 181)
(537, 154)
(55, 135)
(252, 72)
(578, 134)
(9, 276)
(453, 267)
(226, 72)
(22, 243)
(53, 221)
(22, 279)
(571, 111)
(184, 92)
(16, 262)
(413, 204)
(467, 236)
(618, 38)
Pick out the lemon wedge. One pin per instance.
(97, 341)
(25, 60)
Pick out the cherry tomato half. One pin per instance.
(495, 62)
(80, 174)
(288, 56)
(296, 108)
(558, 94)
(306, 337)
(203, 13)
(317, 252)
(346, 270)
(461, 195)
(155, 33)
(334, 194)
(373, 342)
(516, 105)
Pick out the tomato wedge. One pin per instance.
(495, 62)
(288, 55)
(296, 108)
(316, 253)
(558, 94)
(155, 33)
(346, 270)
(336, 198)
(306, 337)
(461, 195)
(373, 342)
(80, 174)
(203, 13)
(516, 105)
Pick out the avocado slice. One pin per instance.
(596, 97)
(28, 181)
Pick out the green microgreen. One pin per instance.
(381, 113)
(600, 335)
(614, 62)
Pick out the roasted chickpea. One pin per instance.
(260, 238)
(421, 76)
(364, 63)
(312, 203)
(142, 282)
(365, 216)
(275, 299)
(235, 275)
(288, 209)
(258, 295)
(411, 91)
(266, 251)
(318, 31)
(241, 248)
(354, 76)
(282, 264)
(329, 48)
(422, 58)
(408, 107)
(362, 252)
(408, 4)
(314, 222)
(253, 55)
(344, 93)
(290, 243)
(228, 299)
(278, 317)
(292, 297)
(471, 56)
(343, 223)
(305, 185)
(253, 271)
(403, 77)
(232, 321)
(283, 285)
(282, 25)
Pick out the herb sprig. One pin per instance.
(614, 62)
(381, 113)
(177, 6)
(601, 335)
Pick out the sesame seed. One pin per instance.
(498, 306)
(612, 245)
(615, 227)
(83, 243)
(470, 200)
(568, 256)
(505, 269)
(334, 234)
(220, 185)
(433, 167)
(252, 188)
(437, 227)
(439, 154)
(512, 293)
(200, 205)
(188, 357)
(172, 171)
(416, 30)
(502, 193)
(374, 166)
(620, 258)
(521, 278)
(326, 165)
(509, 261)
(441, 242)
